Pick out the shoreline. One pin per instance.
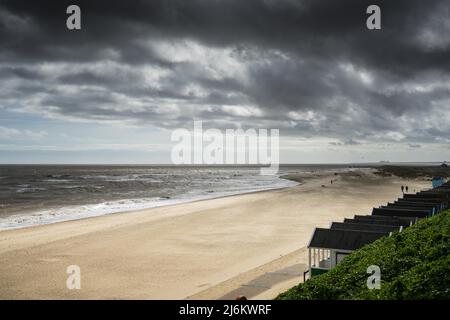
(159, 203)
(76, 212)
(213, 248)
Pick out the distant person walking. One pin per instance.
(403, 188)
(406, 189)
(331, 181)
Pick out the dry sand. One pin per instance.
(252, 244)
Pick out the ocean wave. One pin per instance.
(68, 213)
(134, 180)
(28, 189)
(124, 178)
(58, 180)
(73, 187)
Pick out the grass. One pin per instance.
(415, 264)
(412, 172)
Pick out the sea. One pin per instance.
(41, 194)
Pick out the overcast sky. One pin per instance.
(114, 91)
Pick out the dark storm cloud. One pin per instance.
(309, 67)
(301, 26)
(310, 27)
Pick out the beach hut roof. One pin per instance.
(342, 239)
(419, 199)
(392, 222)
(408, 206)
(414, 201)
(385, 228)
(397, 212)
(384, 219)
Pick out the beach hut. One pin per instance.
(411, 202)
(328, 247)
(441, 192)
(383, 220)
(428, 195)
(397, 212)
(439, 202)
(406, 205)
(386, 228)
(437, 182)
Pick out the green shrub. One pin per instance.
(415, 264)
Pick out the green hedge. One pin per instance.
(415, 264)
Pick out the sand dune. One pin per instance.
(250, 244)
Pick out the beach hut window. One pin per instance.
(340, 256)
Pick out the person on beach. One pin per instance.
(403, 188)
(406, 189)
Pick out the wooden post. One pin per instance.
(309, 257)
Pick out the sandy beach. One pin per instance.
(251, 244)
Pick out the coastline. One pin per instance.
(209, 248)
(16, 221)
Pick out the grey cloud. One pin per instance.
(347, 142)
(309, 67)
